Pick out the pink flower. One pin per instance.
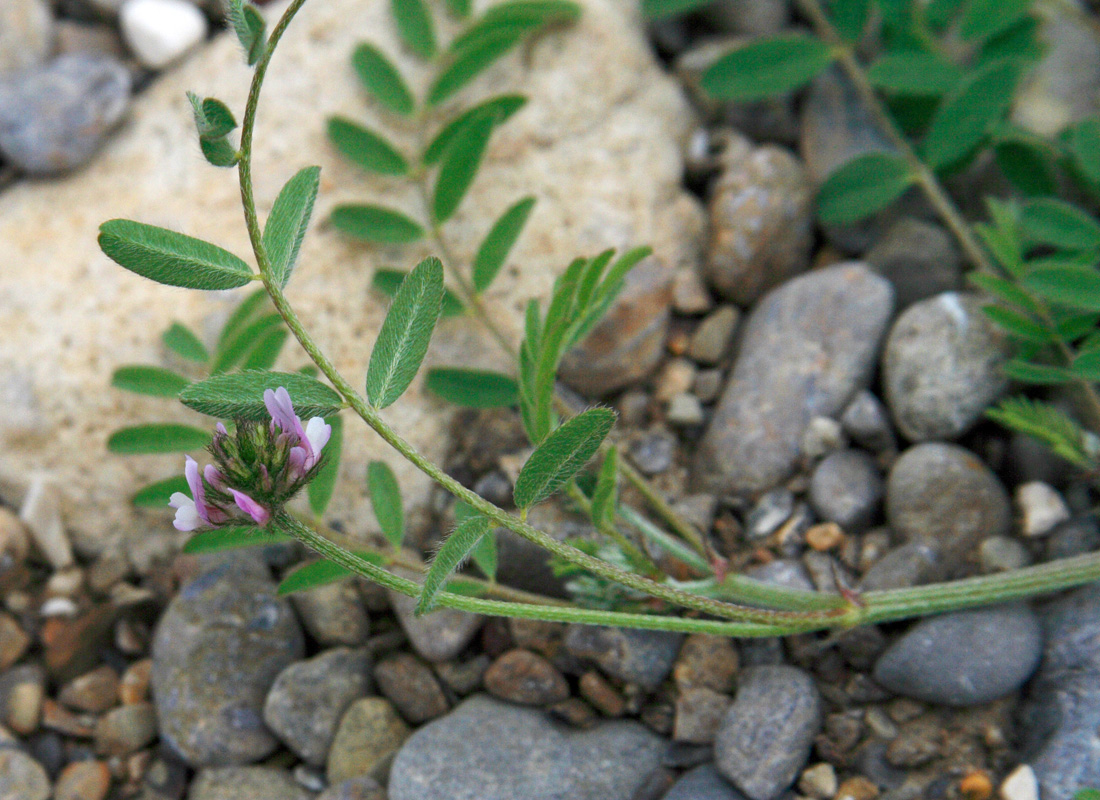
(308, 441)
(259, 514)
(191, 512)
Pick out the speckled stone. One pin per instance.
(245, 783)
(370, 732)
(21, 777)
(641, 657)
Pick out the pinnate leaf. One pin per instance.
(380, 77)
(157, 438)
(1067, 284)
(286, 226)
(561, 455)
(460, 164)
(232, 538)
(472, 388)
(967, 115)
(406, 331)
(155, 381)
(240, 395)
(1059, 224)
(498, 243)
(365, 148)
(321, 487)
(322, 572)
(914, 73)
(501, 108)
(470, 62)
(984, 19)
(376, 224)
(385, 498)
(454, 550)
(171, 258)
(414, 24)
(864, 185)
(182, 341)
(388, 281)
(767, 67)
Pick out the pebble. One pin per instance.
(919, 258)
(748, 17)
(712, 338)
(308, 698)
(409, 684)
(685, 410)
(370, 732)
(333, 614)
(825, 536)
(14, 545)
(83, 780)
(708, 383)
(1021, 784)
(818, 781)
(909, 565)
(361, 788)
(652, 452)
(943, 495)
(867, 423)
(640, 657)
(159, 32)
(217, 650)
(82, 37)
(689, 293)
(765, 738)
(41, 509)
(699, 712)
(94, 691)
(846, 488)
(134, 686)
(246, 783)
(1041, 508)
(675, 377)
(604, 697)
(976, 785)
(807, 347)
(964, 658)
(523, 677)
(769, 513)
(856, 788)
(703, 783)
(14, 641)
(126, 729)
(22, 690)
(26, 35)
(823, 435)
(942, 366)
(489, 750)
(21, 777)
(51, 121)
(1073, 538)
(706, 661)
(1002, 554)
(761, 221)
(438, 636)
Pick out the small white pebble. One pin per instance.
(58, 607)
(41, 513)
(161, 31)
(819, 781)
(1041, 508)
(1020, 784)
(685, 409)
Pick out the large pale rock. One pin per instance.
(597, 145)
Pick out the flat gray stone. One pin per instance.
(703, 783)
(245, 783)
(641, 657)
(846, 488)
(919, 258)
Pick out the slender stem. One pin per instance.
(631, 550)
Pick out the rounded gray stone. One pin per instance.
(21, 777)
(216, 652)
(641, 657)
(918, 258)
(964, 658)
(309, 697)
(807, 348)
(942, 366)
(765, 738)
(361, 788)
(488, 750)
(846, 488)
(53, 118)
(438, 636)
(245, 783)
(703, 783)
(943, 495)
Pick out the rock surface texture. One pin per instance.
(597, 145)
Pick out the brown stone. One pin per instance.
(72, 644)
(370, 733)
(857, 788)
(126, 729)
(598, 691)
(83, 780)
(94, 691)
(56, 717)
(521, 676)
(409, 684)
(134, 687)
(14, 641)
(707, 661)
(699, 713)
(825, 536)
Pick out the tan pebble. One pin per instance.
(676, 377)
(94, 691)
(25, 707)
(600, 693)
(976, 786)
(818, 781)
(825, 536)
(66, 582)
(13, 641)
(134, 687)
(14, 542)
(56, 717)
(83, 780)
(857, 788)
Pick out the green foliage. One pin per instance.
(1084, 144)
(1059, 224)
(472, 388)
(561, 455)
(321, 573)
(496, 246)
(767, 67)
(1047, 423)
(240, 395)
(214, 122)
(286, 226)
(232, 538)
(375, 224)
(365, 148)
(414, 24)
(968, 114)
(388, 281)
(456, 548)
(500, 108)
(182, 341)
(914, 73)
(320, 489)
(606, 495)
(157, 495)
(406, 331)
(249, 25)
(380, 77)
(158, 438)
(659, 9)
(459, 165)
(243, 341)
(385, 498)
(864, 185)
(155, 381)
(171, 258)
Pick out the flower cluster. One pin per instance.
(256, 469)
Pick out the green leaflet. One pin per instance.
(406, 331)
(385, 498)
(485, 555)
(184, 343)
(414, 24)
(561, 455)
(244, 314)
(321, 487)
(157, 438)
(267, 349)
(1036, 374)
(470, 62)
(914, 73)
(454, 550)
(322, 572)
(968, 114)
(154, 381)
(388, 281)
(498, 243)
(984, 19)
(171, 258)
(157, 495)
(238, 347)
(659, 9)
(459, 165)
(501, 108)
(286, 226)
(375, 224)
(864, 185)
(240, 395)
(767, 67)
(365, 148)
(1085, 146)
(380, 77)
(249, 25)
(1018, 325)
(1046, 423)
(232, 538)
(472, 388)
(606, 496)
(1059, 224)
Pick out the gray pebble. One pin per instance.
(823, 436)
(808, 346)
(909, 565)
(21, 777)
(703, 783)
(713, 336)
(635, 656)
(765, 739)
(652, 451)
(964, 658)
(784, 572)
(245, 783)
(918, 258)
(1001, 554)
(489, 750)
(370, 732)
(309, 697)
(943, 495)
(867, 422)
(55, 117)
(1073, 538)
(409, 684)
(771, 510)
(942, 366)
(749, 17)
(438, 636)
(846, 488)
(217, 649)
(333, 614)
(361, 788)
